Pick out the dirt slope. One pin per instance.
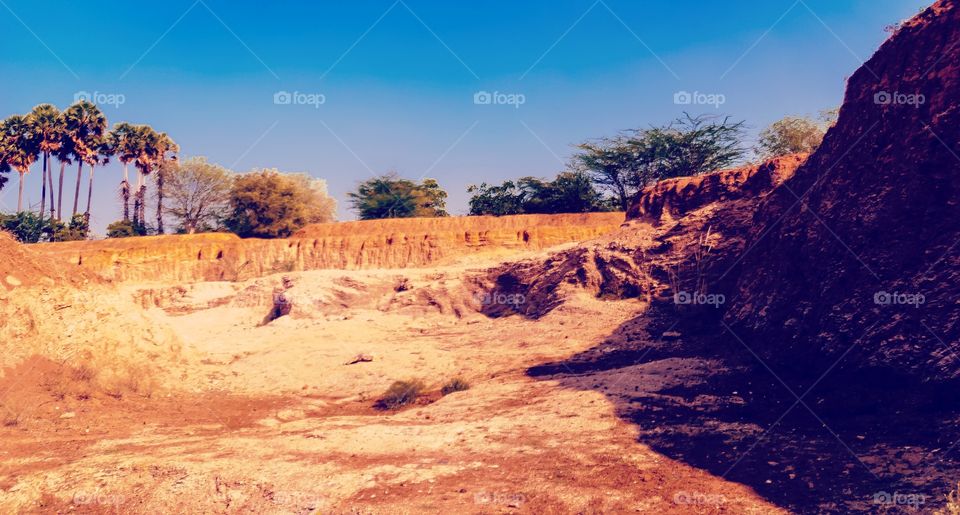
(349, 245)
(859, 250)
(676, 197)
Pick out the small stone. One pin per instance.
(361, 358)
(13, 281)
(68, 414)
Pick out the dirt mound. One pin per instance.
(21, 266)
(349, 246)
(676, 197)
(858, 252)
(63, 319)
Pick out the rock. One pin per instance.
(68, 414)
(13, 281)
(361, 358)
(671, 335)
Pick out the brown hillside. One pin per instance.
(676, 197)
(872, 216)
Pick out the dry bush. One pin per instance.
(400, 394)
(953, 503)
(457, 384)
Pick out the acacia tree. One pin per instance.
(689, 145)
(199, 194)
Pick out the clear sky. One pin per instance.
(398, 79)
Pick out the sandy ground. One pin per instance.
(271, 418)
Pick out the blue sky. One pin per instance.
(398, 79)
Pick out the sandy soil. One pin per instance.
(270, 417)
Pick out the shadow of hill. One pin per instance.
(829, 439)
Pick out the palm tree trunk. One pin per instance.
(159, 201)
(143, 205)
(125, 191)
(76, 194)
(20, 195)
(50, 181)
(63, 167)
(43, 187)
(136, 199)
(86, 214)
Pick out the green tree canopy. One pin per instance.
(570, 192)
(689, 145)
(389, 196)
(793, 134)
(269, 204)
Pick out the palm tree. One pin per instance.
(47, 129)
(146, 139)
(4, 158)
(86, 125)
(22, 148)
(124, 143)
(65, 157)
(100, 155)
(164, 146)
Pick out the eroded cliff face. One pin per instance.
(858, 253)
(398, 243)
(674, 198)
(66, 331)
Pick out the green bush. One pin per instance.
(400, 394)
(77, 230)
(455, 385)
(125, 229)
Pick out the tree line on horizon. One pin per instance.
(80, 135)
(199, 196)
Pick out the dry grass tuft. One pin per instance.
(457, 384)
(400, 394)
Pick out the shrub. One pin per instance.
(78, 229)
(125, 229)
(455, 385)
(953, 503)
(400, 394)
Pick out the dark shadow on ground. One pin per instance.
(860, 441)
